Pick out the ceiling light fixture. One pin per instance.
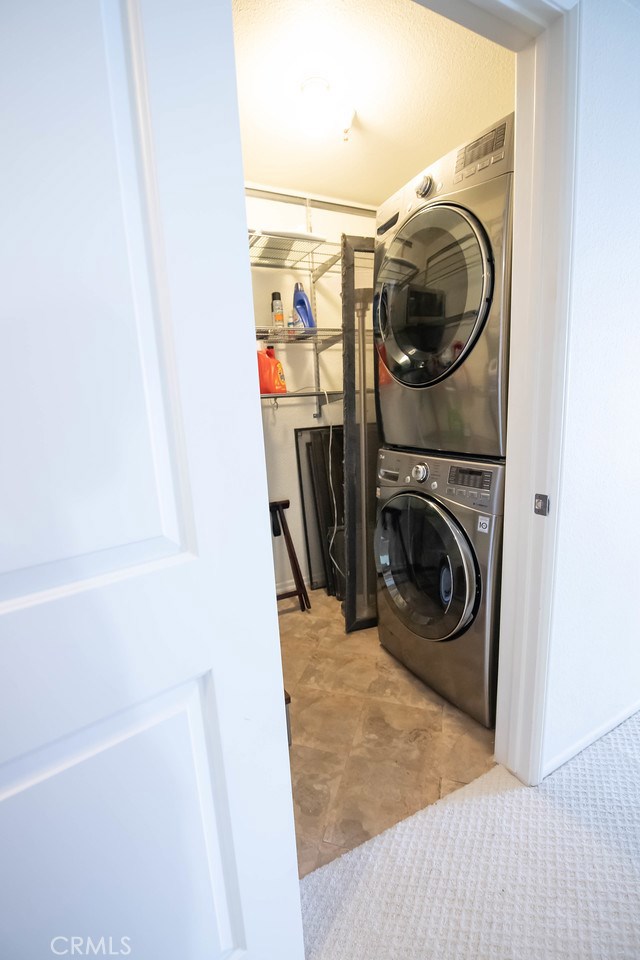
(326, 111)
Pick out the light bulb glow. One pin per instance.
(325, 112)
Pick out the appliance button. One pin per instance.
(451, 490)
(457, 178)
(484, 163)
(424, 187)
(497, 156)
(420, 472)
(407, 479)
(434, 485)
(470, 172)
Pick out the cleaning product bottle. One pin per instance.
(277, 311)
(302, 307)
(294, 323)
(278, 382)
(264, 369)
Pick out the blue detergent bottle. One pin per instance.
(302, 307)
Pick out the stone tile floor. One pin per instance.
(371, 744)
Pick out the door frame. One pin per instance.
(544, 36)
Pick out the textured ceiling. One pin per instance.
(419, 83)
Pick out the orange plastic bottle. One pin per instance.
(278, 382)
(264, 370)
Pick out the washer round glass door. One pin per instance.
(433, 293)
(427, 565)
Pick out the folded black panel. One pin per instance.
(321, 477)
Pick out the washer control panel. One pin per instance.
(470, 483)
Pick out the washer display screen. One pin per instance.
(478, 479)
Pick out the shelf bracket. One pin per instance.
(324, 266)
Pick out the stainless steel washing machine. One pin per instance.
(438, 547)
(442, 300)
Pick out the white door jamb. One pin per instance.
(545, 37)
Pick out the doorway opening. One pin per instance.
(371, 743)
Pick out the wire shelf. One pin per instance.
(298, 251)
(282, 250)
(303, 394)
(317, 335)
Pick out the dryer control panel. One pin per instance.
(490, 154)
(475, 484)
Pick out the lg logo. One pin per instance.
(88, 947)
(483, 524)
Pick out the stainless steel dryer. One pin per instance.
(438, 550)
(441, 305)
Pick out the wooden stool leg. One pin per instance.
(279, 525)
(287, 701)
(303, 596)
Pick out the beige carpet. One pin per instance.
(497, 871)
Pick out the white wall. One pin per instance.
(594, 665)
(297, 360)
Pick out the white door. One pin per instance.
(144, 788)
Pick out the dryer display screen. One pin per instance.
(478, 479)
(481, 147)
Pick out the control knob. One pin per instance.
(424, 187)
(420, 472)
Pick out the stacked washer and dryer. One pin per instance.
(441, 333)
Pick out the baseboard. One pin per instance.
(287, 585)
(590, 738)
(284, 586)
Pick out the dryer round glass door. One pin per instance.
(427, 565)
(433, 293)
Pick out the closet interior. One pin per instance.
(370, 742)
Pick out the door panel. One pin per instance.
(144, 786)
(84, 283)
(173, 891)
